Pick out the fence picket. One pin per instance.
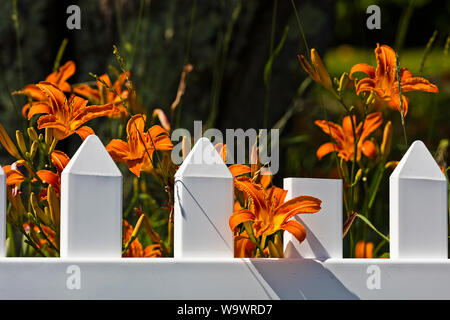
(323, 228)
(203, 205)
(91, 204)
(418, 207)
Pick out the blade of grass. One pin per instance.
(403, 26)
(16, 22)
(186, 58)
(136, 33)
(59, 55)
(219, 70)
(367, 221)
(299, 23)
(268, 73)
(427, 51)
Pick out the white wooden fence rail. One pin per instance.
(90, 266)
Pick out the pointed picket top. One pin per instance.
(92, 158)
(203, 161)
(2, 172)
(418, 163)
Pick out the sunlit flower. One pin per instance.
(383, 80)
(140, 145)
(243, 246)
(66, 116)
(344, 139)
(58, 78)
(102, 95)
(269, 212)
(59, 160)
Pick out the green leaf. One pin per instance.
(372, 226)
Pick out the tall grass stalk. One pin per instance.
(118, 20)
(186, 56)
(59, 55)
(269, 71)
(16, 22)
(300, 26)
(427, 51)
(136, 33)
(403, 26)
(219, 68)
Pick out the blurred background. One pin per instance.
(246, 73)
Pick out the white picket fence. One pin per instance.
(91, 266)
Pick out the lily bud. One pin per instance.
(34, 148)
(279, 245)
(32, 134)
(370, 98)
(358, 176)
(344, 169)
(48, 136)
(138, 226)
(391, 165)
(38, 212)
(317, 71)
(273, 250)
(21, 142)
(343, 82)
(387, 140)
(54, 206)
(7, 143)
(52, 146)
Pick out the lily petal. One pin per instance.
(296, 229)
(239, 217)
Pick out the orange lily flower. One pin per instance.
(140, 145)
(383, 80)
(243, 246)
(269, 212)
(153, 251)
(344, 139)
(59, 160)
(363, 249)
(13, 176)
(102, 95)
(58, 78)
(66, 116)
